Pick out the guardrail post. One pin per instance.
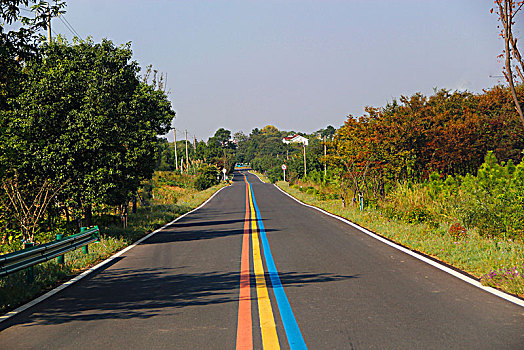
(61, 258)
(85, 248)
(29, 272)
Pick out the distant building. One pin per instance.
(296, 139)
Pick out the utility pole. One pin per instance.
(225, 158)
(325, 166)
(305, 171)
(194, 143)
(187, 155)
(48, 24)
(176, 156)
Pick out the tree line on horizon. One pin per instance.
(263, 149)
(449, 132)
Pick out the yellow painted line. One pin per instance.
(265, 312)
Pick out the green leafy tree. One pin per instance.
(222, 137)
(165, 156)
(85, 119)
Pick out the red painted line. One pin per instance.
(245, 326)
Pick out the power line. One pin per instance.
(65, 24)
(65, 19)
(69, 26)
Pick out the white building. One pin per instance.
(296, 139)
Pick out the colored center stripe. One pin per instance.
(267, 320)
(265, 312)
(245, 327)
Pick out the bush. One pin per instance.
(275, 174)
(417, 215)
(493, 201)
(208, 175)
(321, 196)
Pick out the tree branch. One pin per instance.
(505, 16)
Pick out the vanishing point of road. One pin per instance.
(255, 269)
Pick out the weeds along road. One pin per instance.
(210, 281)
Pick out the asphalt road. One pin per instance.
(180, 290)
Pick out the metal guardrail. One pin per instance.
(28, 257)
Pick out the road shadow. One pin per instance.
(211, 214)
(196, 229)
(172, 236)
(202, 222)
(123, 293)
(238, 178)
(191, 235)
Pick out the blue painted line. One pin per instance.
(294, 336)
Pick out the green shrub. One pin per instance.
(417, 215)
(321, 196)
(334, 196)
(493, 201)
(275, 174)
(208, 175)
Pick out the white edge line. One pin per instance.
(99, 265)
(433, 263)
(258, 177)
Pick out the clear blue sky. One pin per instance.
(298, 65)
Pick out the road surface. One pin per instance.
(254, 269)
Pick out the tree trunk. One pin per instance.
(68, 218)
(124, 215)
(88, 215)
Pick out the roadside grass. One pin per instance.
(496, 262)
(261, 176)
(16, 289)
